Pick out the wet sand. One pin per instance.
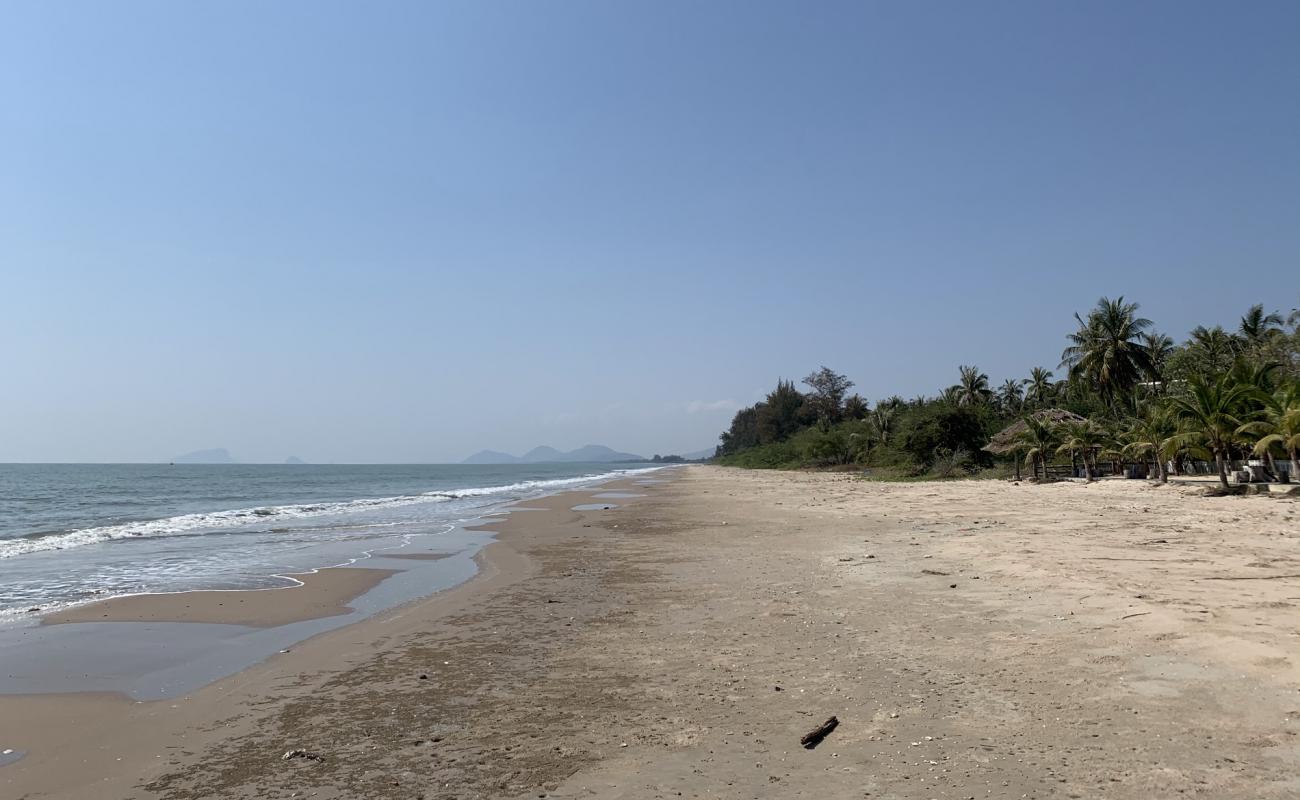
(325, 593)
(1116, 640)
(105, 744)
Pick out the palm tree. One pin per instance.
(882, 419)
(1258, 375)
(1280, 426)
(1107, 348)
(1011, 395)
(1038, 438)
(1039, 386)
(1213, 411)
(1153, 434)
(1257, 327)
(1159, 348)
(855, 407)
(973, 390)
(1113, 439)
(1213, 348)
(1084, 437)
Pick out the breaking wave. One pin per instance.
(200, 523)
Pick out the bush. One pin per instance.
(778, 455)
(943, 428)
(951, 463)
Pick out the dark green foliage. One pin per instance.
(743, 433)
(827, 397)
(973, 388)
(781, 414)
(1108, 350)
(856, 408)
(1128, 382)
(781, 455)
(939, 427)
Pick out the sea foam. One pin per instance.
(200, 523)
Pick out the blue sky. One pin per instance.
(405, 231)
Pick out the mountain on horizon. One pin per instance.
(294, 460)
(591, 453)
(216, 455)
(541, 455)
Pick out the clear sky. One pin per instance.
(390, 231)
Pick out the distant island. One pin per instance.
(592, 453)
(217, 455)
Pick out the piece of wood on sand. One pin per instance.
(814, 737)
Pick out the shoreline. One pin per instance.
(324, 592)
(156, 645)
(41, 726)
(972, 638)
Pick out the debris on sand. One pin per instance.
(292, 754)
(814, 737)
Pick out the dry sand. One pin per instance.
(974, 639)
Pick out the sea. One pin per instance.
(77, 533)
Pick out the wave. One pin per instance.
(199, 523)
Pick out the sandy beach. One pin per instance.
(973, 639)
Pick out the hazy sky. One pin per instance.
(402, 232)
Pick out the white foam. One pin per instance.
(190, 524)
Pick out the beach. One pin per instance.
(679, 634)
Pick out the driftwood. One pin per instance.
(814, 737)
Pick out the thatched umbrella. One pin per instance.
(1005, 440)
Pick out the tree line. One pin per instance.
(1126, 394)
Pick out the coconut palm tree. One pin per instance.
(1084, 437)
(1257, 327)
(1114, 435)
(1038, 438)
(1213, 349)
(855, 407)
(1279, 426)
(1212, 411)
(1256, 374)
(1107, 349)
(1159, 348)
(1011, 395)
(973, 389)
(1039, 386)
(1153, 434)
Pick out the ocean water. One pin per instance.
(75, 533)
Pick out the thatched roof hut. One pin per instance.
(1004, 441)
